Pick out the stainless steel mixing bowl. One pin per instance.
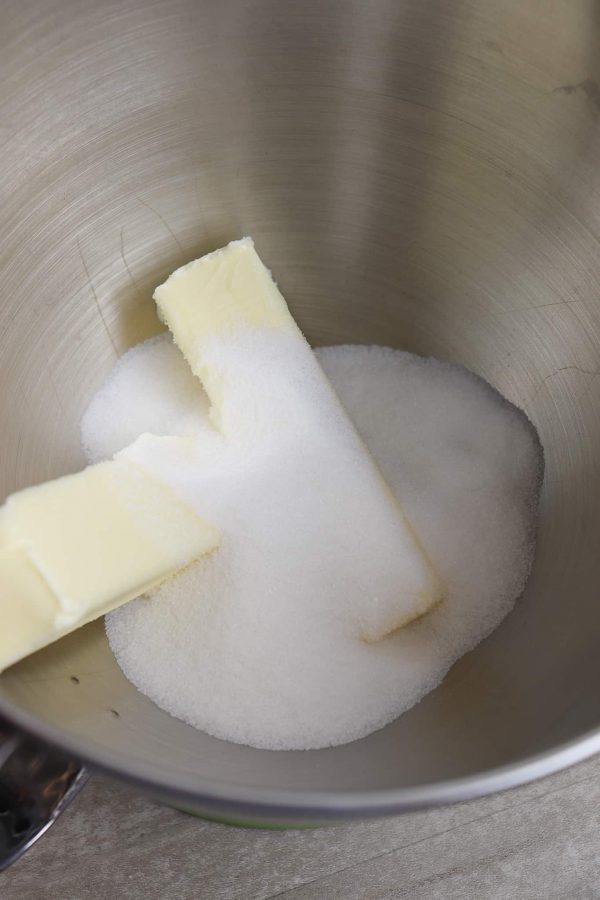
(418, 173)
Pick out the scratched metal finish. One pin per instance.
(421, 174)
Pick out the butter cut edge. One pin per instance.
(73, 549)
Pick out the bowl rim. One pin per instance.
(220, 798)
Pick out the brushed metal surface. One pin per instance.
(421, 174)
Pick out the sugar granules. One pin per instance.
(237, 645)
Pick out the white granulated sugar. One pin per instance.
(161, 396)
(239, 644)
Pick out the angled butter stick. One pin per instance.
(234, 328)
(77, 547)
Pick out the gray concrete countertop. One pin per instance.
(540, 842)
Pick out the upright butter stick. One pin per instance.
(73, 549)
(234, 328)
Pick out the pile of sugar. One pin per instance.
(237, 644)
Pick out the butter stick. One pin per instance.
(210, 305)
(75, 548)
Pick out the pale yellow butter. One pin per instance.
(75, 548)
(28, 609)
(220, 295)
(225, 289)
(220, 292)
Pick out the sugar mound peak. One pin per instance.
(239, 644)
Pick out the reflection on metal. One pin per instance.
(36, 785)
